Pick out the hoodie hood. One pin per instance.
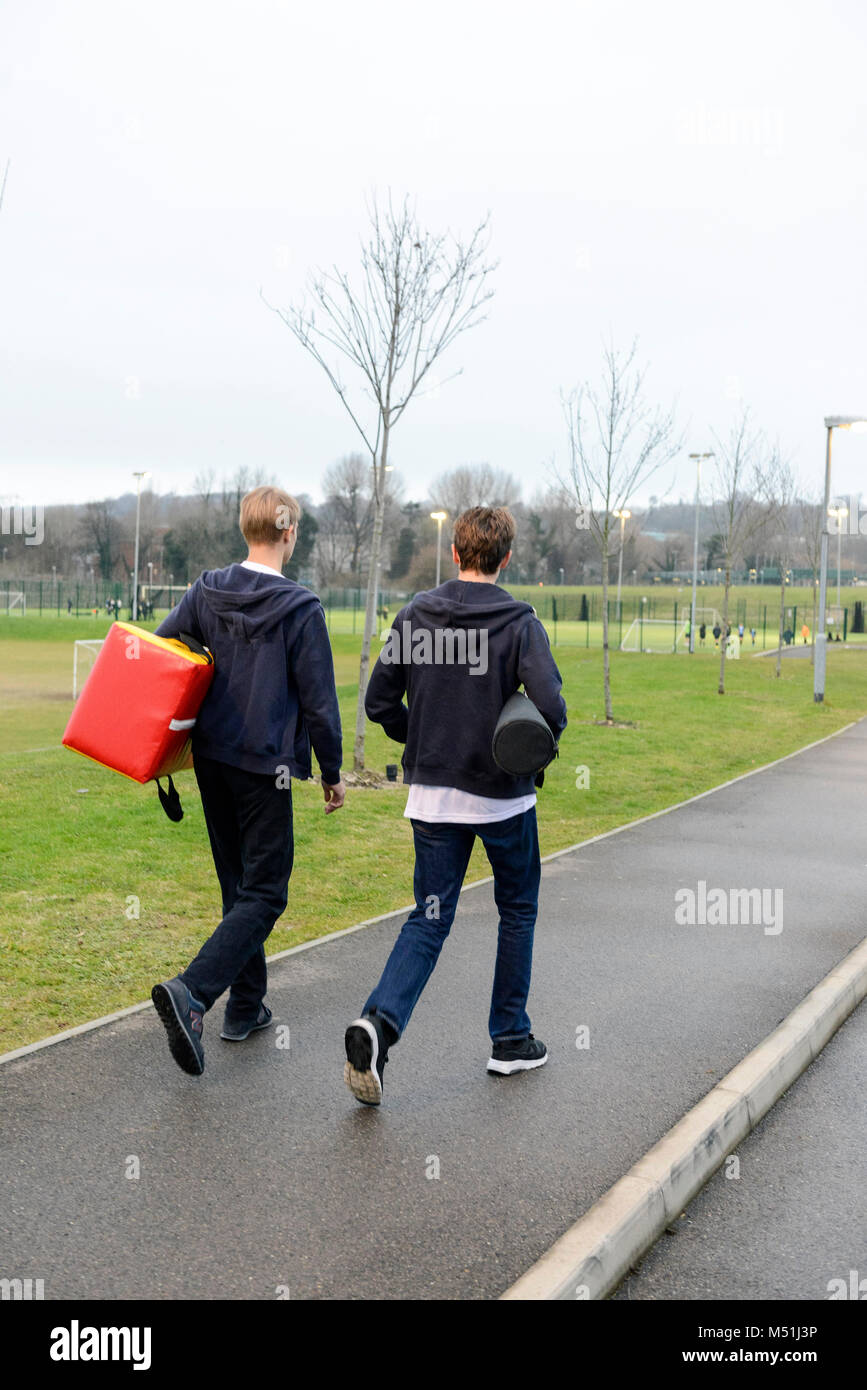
(250, 604)
(463, 603)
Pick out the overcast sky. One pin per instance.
(690, 174)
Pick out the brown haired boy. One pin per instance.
(457, 653)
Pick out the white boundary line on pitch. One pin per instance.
(399, 911)
(19, 752)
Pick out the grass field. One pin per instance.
(755, 605)
(77, 842)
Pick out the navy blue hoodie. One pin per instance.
(273, 690)
(453, 705)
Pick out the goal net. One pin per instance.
(162, 596)
(84, 654)
(16, 601)
(655, 635)
(711, 617)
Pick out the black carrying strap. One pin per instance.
(170, 801)
(195, 646)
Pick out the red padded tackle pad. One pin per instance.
(136, 712)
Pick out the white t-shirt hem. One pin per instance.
(450, 805)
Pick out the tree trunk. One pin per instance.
(606, 666)
(722, 641)
(370, 606)
(782, 620)
(815, 610)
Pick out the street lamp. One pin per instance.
(698, 458)
(439, 518)
(138, 477)
(838, 513)
(832, 422)
(624, 516)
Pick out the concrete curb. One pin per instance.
(594, 1255)
(402, 911)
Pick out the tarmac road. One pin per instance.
(791, 1221)
(264, 1175)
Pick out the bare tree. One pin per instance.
(418, 292)
(744, 471)
(204, 485)
(474, 485)
(333, 546)
(547, 539)
(782, 493)
(617, 441)
(348, 488)
(100, 532)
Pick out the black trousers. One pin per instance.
(249, 820)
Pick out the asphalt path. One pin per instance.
(264, 1177)
(789, 1220)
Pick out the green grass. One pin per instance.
(78, 842)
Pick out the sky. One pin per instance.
(692, 176)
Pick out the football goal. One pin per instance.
(16, 601)
(655, 635)
(711, 617)
(84, 654)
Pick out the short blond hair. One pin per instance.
(266, 513)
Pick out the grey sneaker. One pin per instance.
(237, 1032)
(182, 1017)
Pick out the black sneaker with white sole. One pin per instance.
(366, 1056)
(233, 1031)
(521, 1055)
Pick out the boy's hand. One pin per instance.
(334, 796)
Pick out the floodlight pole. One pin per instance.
(822, 635)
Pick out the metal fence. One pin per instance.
(572, 617)
(57, 595)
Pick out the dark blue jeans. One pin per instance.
(442, 853)
(249, 820)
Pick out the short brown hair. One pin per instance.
(483, 538)
(266, 513)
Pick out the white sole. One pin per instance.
(365, 1085)
(509, 1068)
